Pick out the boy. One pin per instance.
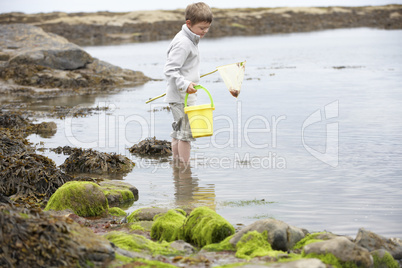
(182, 74)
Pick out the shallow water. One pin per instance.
(315, 132)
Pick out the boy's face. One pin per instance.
(200, 28)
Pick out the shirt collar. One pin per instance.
(192, 36)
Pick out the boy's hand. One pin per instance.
(191, 89)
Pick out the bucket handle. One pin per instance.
(199, 87)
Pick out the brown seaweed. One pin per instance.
(32, 238)
(92, 161)
(152, 147)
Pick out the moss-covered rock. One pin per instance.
(168, 226)
(281, 236)
(138, 243)
(383, 259)
(116, 211)
(308, 239)
(255, 244)
(84, 198)
(204, 226)
(119, 192)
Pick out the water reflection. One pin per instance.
(187, 189)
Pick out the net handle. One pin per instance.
(199, 87)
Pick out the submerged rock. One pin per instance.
(84, 198)
(46, 129)
(280, 235)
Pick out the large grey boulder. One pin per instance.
(372, 241)
(281, 236)
(35, 59)
(343, 249)
(27, 44)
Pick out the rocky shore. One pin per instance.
(103, 28)
(73, 215)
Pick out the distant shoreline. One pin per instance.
(106, 28)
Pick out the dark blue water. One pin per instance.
(315, 132)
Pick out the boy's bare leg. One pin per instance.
(175, 149)
(184, 151)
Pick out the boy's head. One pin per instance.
(198, 18)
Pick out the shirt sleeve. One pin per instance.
(175, 61)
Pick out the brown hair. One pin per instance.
(198, 12)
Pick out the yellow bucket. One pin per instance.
(200, 116)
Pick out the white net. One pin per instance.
(233, 75)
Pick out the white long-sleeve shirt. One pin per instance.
(182, 66)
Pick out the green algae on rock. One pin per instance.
(383, 258)
(84, 198)
(168, 226)
(116, 211)
(339, 252)
(136, 227)
(255, 244)
(119, 193)
(281, 236)
(138, 243)
(308, 239)
(224, 245)
(204, 226)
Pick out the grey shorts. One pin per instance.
(181, 125)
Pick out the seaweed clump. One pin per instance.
(32, 238)
(204, 226)
(168, 226)
(91, 161)
(15, 121)
(152, 147)
(26, 176)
